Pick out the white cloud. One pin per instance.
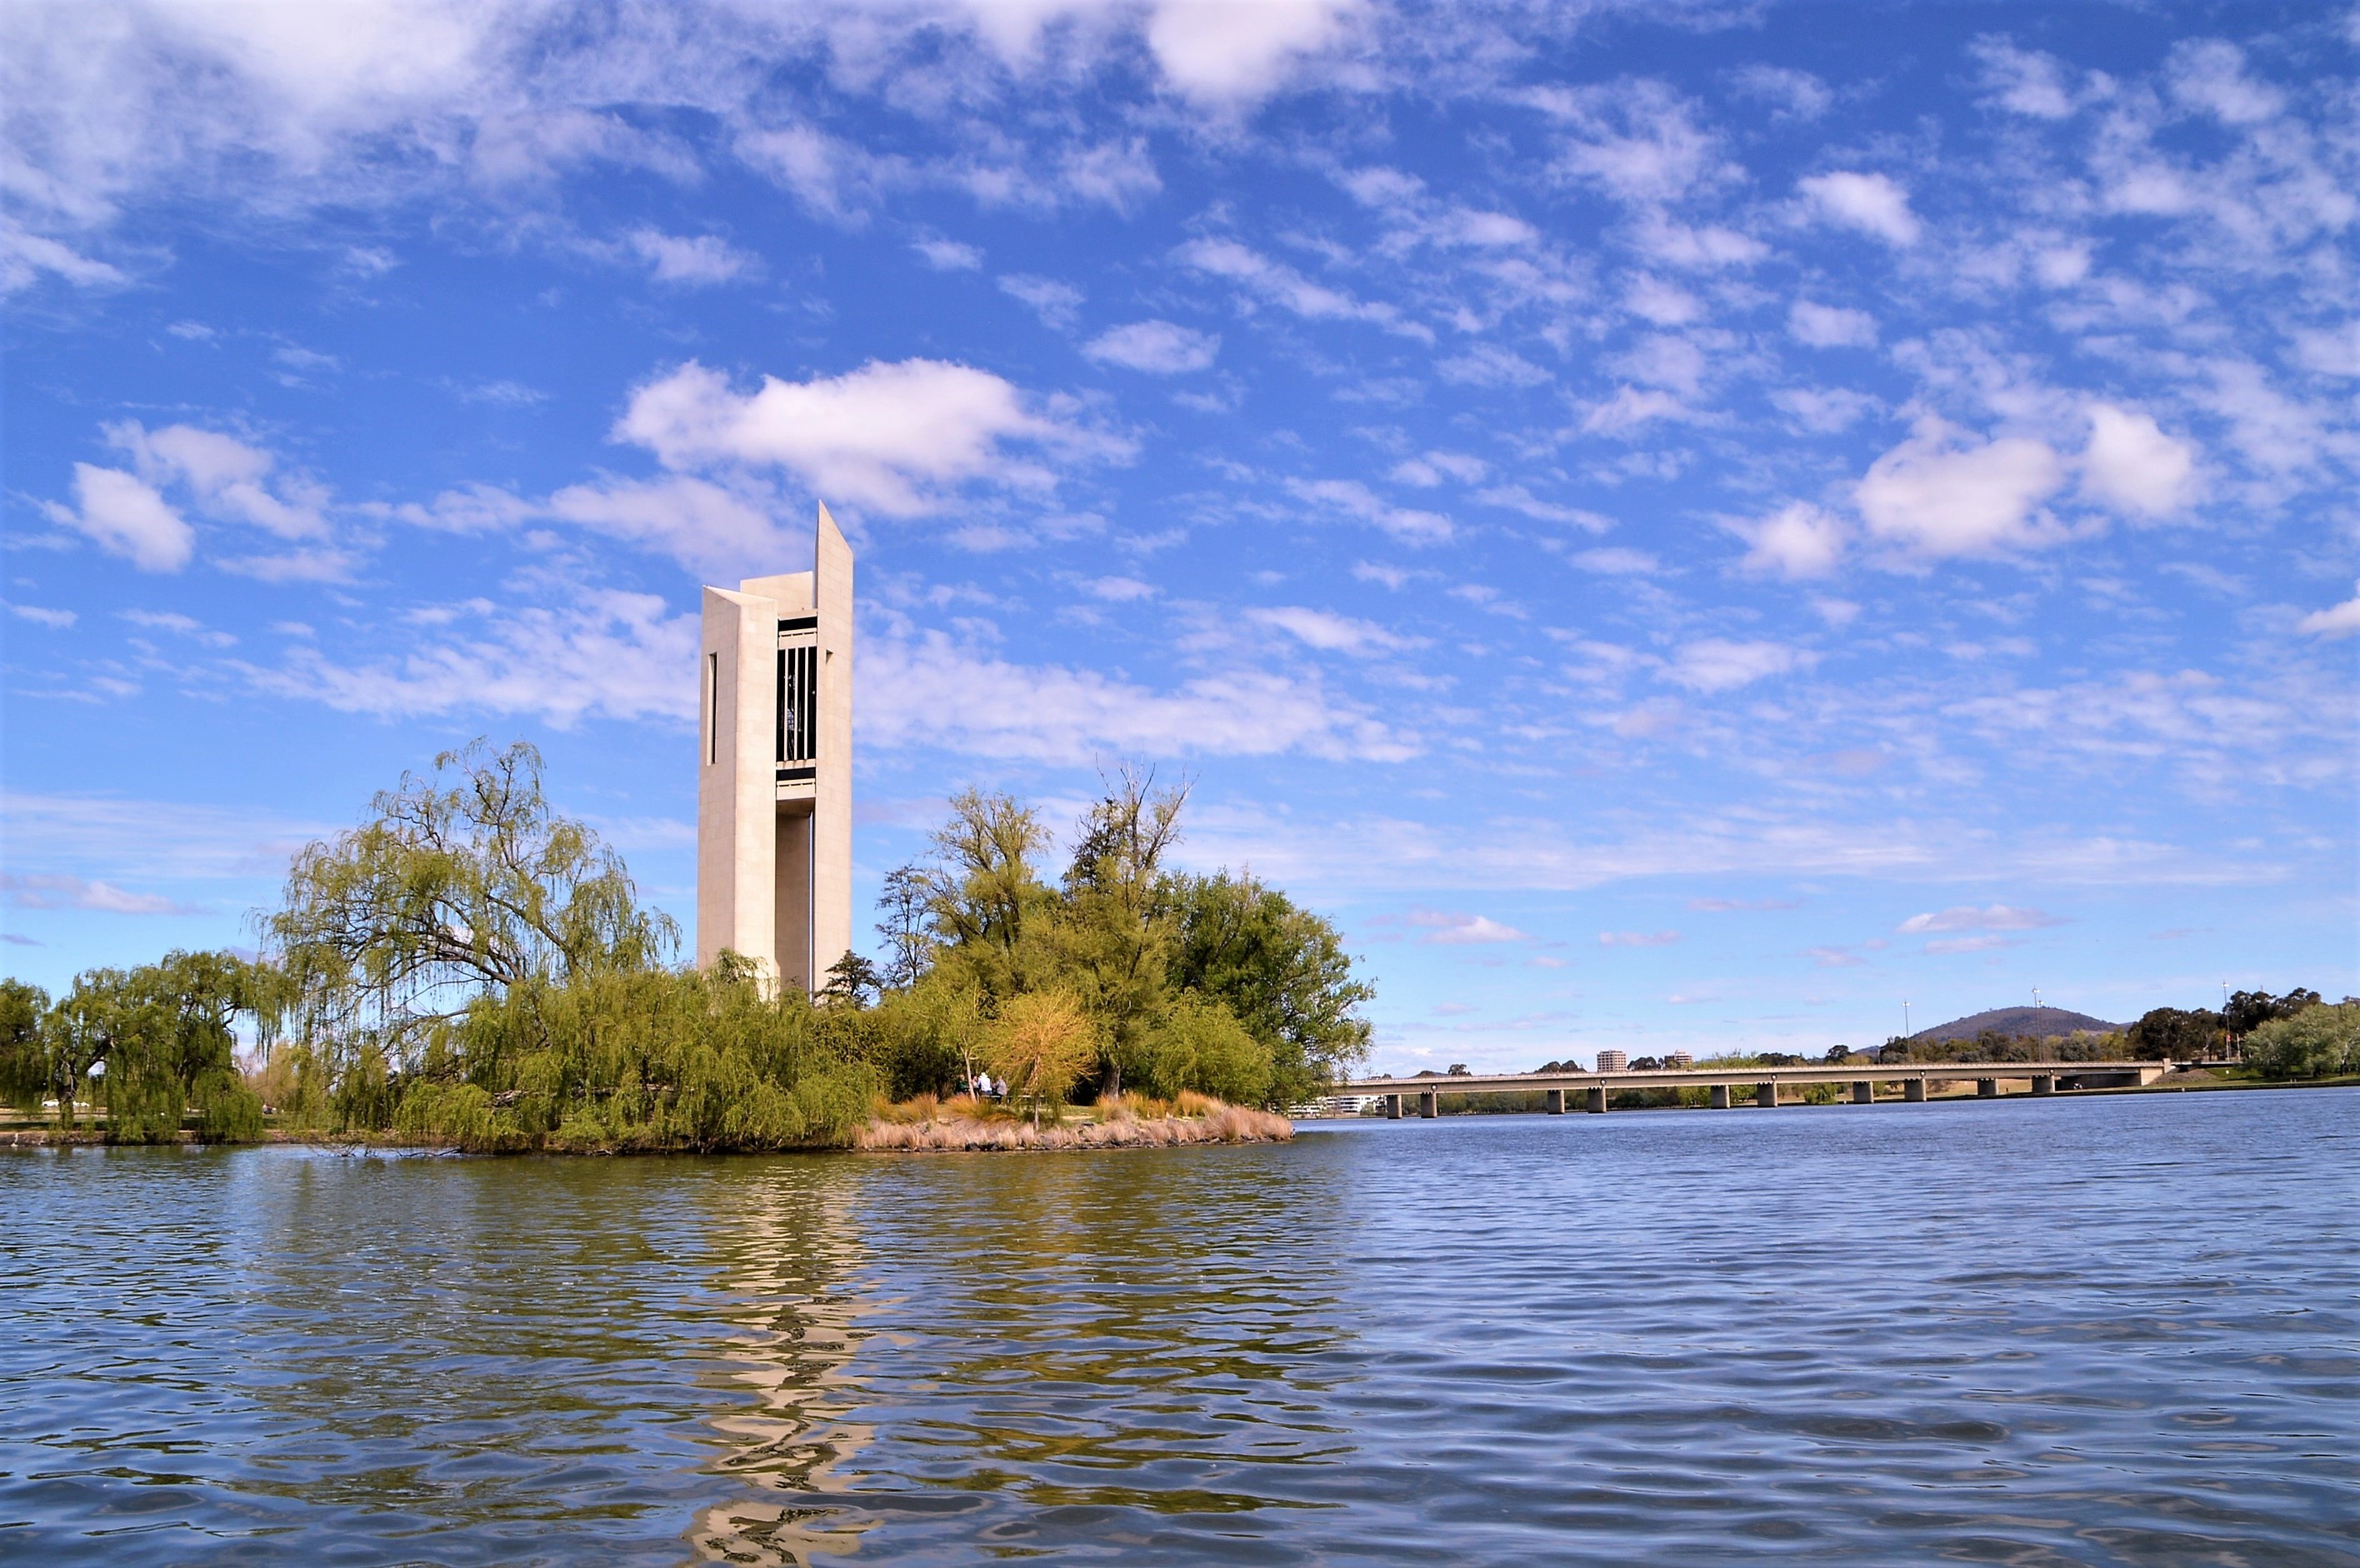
(25, 257)
(930, 693)
(949, 255)
(1120, 590)
(1157, 347)
(1445, 929)
(1055, 303)
(1972, 943)
(1637, 939)
(893, 437)
(126, 518)
(1616, 563)
(56, 620)
(1328, 632)
(603, 654)
(1796, 94)
(690, 259)
(1722, 664)
(228, 478)
(2024, 82)
(2334, 351)
(1516, 498)
(1220, 52)
(1638, 140)
(39, 891)
(1665, 304)
(1825, 409)
(2336, 621)
(1830, 326)
(1633, 409)
(1871, 203)
(1281, 285)
(1428, 470)
(706, 529)
(2132, 466)
(1489, 365)
(1966, 917)
(1797, 541)
(1355, 499)
(1940, 495)
(1694, 247)
(2210, 74)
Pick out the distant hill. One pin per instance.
(2039, 1023)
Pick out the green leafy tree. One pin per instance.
(852, 979)
(1115, 930)
(1281, 969)
(909, 945)
(24, 1047)
(2169, 1033)
(2249, 1010)
(987, 906)
(2322, 1040)
(466, 885)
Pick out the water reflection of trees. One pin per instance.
(790, 1248)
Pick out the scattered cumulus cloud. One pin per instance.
(1724, 664)
(67, 892)
(1637, 939)
(949, 255)
(126, 516)
(1327, 631)
(690, 259)
(1797, 541)
(1156, 347)
(1353, 499)
(1830, 326)
(1942, 493)
(2132, 466)
(1444, 929)
(895, 436)
(1871, 203)
(2337, 621)
(1966, 917)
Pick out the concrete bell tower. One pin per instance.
(774, 769)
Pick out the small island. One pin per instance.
(469, 969)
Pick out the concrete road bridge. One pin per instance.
(1763, 1086)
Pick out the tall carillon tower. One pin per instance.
(774, 769)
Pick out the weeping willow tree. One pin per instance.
(470, 964)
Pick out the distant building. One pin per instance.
(1679, 1058)
(1612, 1061)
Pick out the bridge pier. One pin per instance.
(1557, 1102)
(1429, 1105)
(1598, 1100)
(1863, 1092)
(1393, 1107)
(1721, 1096)
(1914, 1091)
(1766, 1095)
(1987, 1088)
(2044, 1084)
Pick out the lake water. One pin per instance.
(2113, 1331)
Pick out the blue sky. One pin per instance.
(1677, 525)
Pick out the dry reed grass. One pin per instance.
(1122, 1124)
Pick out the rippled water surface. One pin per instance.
(2117, 1331)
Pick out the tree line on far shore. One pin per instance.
(471, 966)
